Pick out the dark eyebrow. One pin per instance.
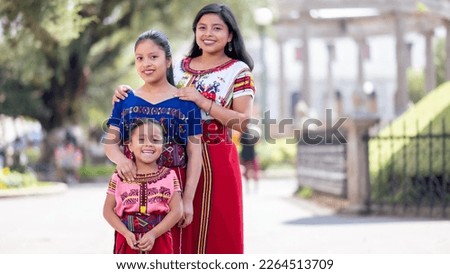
(214, 25)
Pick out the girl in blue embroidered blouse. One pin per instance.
(181, 120)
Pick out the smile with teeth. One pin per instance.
(208, 42)
(148, 151)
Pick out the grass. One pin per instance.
(403, 158)
(94, 171)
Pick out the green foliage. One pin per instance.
(405, 158)
(421, 7)
(306, 192)
(416, 84)
(416, 78)
(61, 29)
(94, 171)
(33, 154)
(280, 154)
(440, 57)
(13, 179)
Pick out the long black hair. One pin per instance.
(238, 50)
(162, 41)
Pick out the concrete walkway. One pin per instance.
(278, 223)
(71, 222)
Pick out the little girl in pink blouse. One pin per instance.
(143, 211)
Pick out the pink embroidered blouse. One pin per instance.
(149, 193)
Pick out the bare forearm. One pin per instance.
(111, 145)
(115, 221)
(169, 221)
(114, 153)
(172, 218)
(194, 167)
(236, 118)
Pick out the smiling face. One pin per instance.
(146, 143)
(150, 61)
(212, 34)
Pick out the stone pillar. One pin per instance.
(306, 77)
(358, 95)
(361, 75)
(358, 180)
(282, 81)
(430, 68)
(329, 102)
(401, 94)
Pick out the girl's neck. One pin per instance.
(207, 61)
(144, 168)
(157, 88)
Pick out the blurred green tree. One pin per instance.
(416, 77)
(439, 59)
(416, 84)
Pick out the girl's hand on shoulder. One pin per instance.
(120, 93)
(147, 241)
(189, 94)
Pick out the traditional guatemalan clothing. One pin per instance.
(141, 205)
(180, 119)
(218, 211)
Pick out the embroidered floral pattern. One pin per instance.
(214, 83)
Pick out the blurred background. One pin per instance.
(353, 94)
(61, 64)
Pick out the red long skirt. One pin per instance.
(217, 226)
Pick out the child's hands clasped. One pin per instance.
(147, 241)
(131, 240)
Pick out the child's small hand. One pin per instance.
(131, 240)
(147, 241)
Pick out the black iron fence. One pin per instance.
(410, 174)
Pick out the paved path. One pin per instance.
(275, 222)
(278, 223)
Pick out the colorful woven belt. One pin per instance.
(141, 223)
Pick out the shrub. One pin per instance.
(93, 171)
(275, 155)
(402, 159)
(14, 179)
